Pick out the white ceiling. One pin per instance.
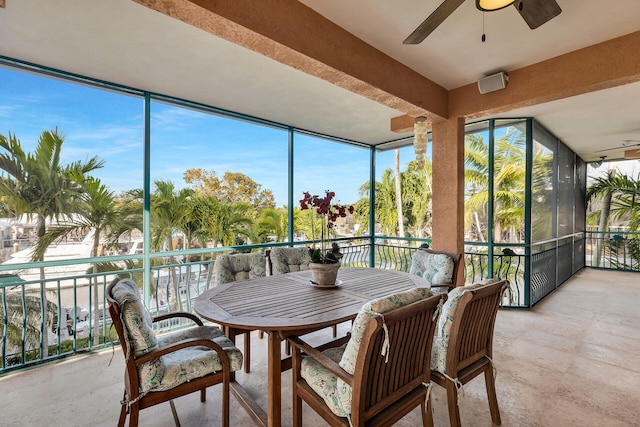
(122, 42)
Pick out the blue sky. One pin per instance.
(110, 125)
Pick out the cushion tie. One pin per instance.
(438, 309)
(426, 399)
(386, 345)
(457, 383)
(493, 367)
(126, 400)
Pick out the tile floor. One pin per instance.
(573, 360)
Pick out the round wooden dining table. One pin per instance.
(290, 304)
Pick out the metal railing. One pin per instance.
(77, 319)
(510, 266)
(613, 250)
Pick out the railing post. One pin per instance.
(372, 209)
(490, 195)
(527, 213)
(146, 216)
(290, 224)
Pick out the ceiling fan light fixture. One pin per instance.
(491, 5)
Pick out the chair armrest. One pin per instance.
(191, 342)
(175, 314)
(331, 366)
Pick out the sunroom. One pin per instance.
(267, 101)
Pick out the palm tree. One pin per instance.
(38, 185)
(95, 212)
(398, 188)
(227, 222)
(129, 206)
(385, 204)
(169, 210)
(416, 196)
(415, 199)
(16, 315)
(192, 224)
(508, 184)
(619, 196)
(273, 221)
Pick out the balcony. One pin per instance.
(571, 359)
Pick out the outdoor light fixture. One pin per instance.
(598, 163)
(491, 5)
(420, 138)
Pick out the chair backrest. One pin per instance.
(130, 317)
(464, 332)
(133, 323)
(392, 362)
(438, 267)
(288, 260)
(233, 267)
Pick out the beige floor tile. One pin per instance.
(570, 361)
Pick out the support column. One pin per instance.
(448, 186)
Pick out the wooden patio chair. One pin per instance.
(236, 267)
(463, 345)
(160, 369)
(378, 374)
(440, 268)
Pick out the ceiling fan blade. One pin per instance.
(537, 12)
(436, 18)
(618, 148)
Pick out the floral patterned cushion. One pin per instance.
(436, 268)
(175, 368)
(287, 260)
(334, 391)
(369, 310)
(443, 328)
(135, 317)
(325, 384)
(231, 268)
(137, 323)
(193, 362)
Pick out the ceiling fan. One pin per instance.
(628, 154)
(534, 12)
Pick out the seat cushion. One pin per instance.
(368, 311)
(443, 328)
(232, 268)
(436, 268)
(288, 260)
(192, 362)
(335, 392)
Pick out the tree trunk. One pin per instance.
(399, 194)
(478, 227)
(45, 315)
(186, 245)
(174, 275)
(43, 296)
(603, 226)
(96, 299)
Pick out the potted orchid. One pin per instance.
(325, 259)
